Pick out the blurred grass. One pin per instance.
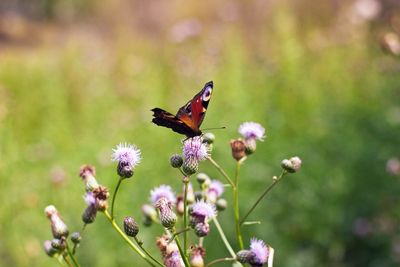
(69, 101)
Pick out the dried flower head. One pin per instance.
(195, 149)
(163, 191)
(197, 255)
(238, 147)
(88, 173)
(252, 130)
(169, 252)
(126, 153)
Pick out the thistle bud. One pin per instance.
(131, 228)
(58, 227)
(251, 146)
(190, 166)
(176, 161)
(87, 173)
(197, 257)
(208, 138)
(149, 212)
(58, 244)
(76, 237)
(179, 205)
(89, 215)
(202, 177)
(291, 165)
(221, 204)
(238, 149)
(167, 216)
(198, 195)
(48, 248)
(201, 229)
(124, 169)
(245, 256)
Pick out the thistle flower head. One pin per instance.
(163, 191)
(217, 187)
(252, 130)
(203, 209)
(260, 250)
(127, 154)
(195, 149)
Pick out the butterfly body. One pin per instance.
(188, 119)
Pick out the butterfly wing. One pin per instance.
(189, 117)
(194, 111)
(166, 119)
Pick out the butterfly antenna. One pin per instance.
(216, 128)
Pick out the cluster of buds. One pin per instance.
(257, 255)
(200, 213)
(60, 233)
(251, 132)
(213, 190)
(169, 252)
(96, 195)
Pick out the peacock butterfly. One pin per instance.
(189, 117)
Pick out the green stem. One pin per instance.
(236, 206)
(115, 196)
(221, 171)
(74, 261)
(127, 240)
(140, 244)
(219, 260)
(59, 259)
(274, 182)
(223, 237)
(178, 243)
(185, 182)
(67, 261)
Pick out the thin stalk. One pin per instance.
(127, 240)
(178, 243)
(221, 171)
(219, 260)
(67, 261)
(59, 259)
(223, 237)
(274, 182)
(115, 196)
(74, 261)
(140, 244)
(185, 182)
(236, 206)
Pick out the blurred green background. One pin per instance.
(323, 77)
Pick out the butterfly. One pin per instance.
(189, 117)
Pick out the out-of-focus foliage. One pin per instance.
(78, 77)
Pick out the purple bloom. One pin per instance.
(127, 154)
(252, 130)
(195, 149)
(260, 250)
(217, 187)
(160, 192)
(90, 199)
(203, 209)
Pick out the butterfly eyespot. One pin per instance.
(207, 94)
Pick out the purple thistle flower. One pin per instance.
(90, 199)
(252, 130)
(217, 187)
(260, 250)
(203, 209)
(126, 154)
(195, 149)
(162, 191)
